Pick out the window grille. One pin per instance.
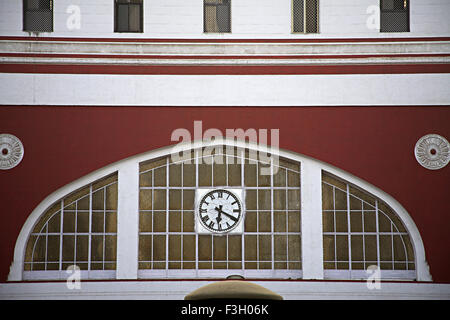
(80, 229)
(394, 16)
(38, 15)
(360, 230)
(128, 16)
(270, 245)
(305, 16)
(217, 16)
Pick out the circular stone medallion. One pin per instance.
(11, 151)
(432, 151)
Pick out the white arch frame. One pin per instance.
(128, 191)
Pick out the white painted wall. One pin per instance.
(250, 19)
(225, 90)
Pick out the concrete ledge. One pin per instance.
(177, 290)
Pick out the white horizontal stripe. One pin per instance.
(225, 90)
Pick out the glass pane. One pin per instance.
(264, 221)
(54, 224)
(294, 248)
(111, 222)
(279, 221)
(122, 17)
(82, 248)
(204, 175)
(160, 178)
(98, 200)
(250, 247)
(251, 221)
(159, 248)
(188, 175)
(279, 200)
(265, 247)
(204, 248)
(174, 247)
(134, 17)
(159, 221)
(68, 249)
(98, 222)
(188, 221)
(111, 194)
(341, 221)
(279, 179)
(220, 248)
(53, 245)
(82, 222)
(175, 175)
(97, 248)
(264, 199)
(311, 16)
(174, 199)
(328, 250)
(234, 248)
(234, 174)
(69, 221)
(146, 179)
(159, 201)
(280, 247)
(294, 221)
(189, 247)
(174, 221)
(297, 15)
(250, 175)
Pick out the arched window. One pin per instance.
(359, 231)
(296, 218)
(170, 245)
(79, 229)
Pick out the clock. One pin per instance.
(219, 211)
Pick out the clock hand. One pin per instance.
(230, 216)
(219, 211)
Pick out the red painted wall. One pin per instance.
(373, 143)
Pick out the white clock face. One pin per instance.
(219, 210)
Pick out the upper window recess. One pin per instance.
(394, 16)
(305, 16)
(217, 16)
(38, 15)
(129, 16)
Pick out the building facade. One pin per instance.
(149, 147)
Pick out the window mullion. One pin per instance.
(311, 222)
(128, 221)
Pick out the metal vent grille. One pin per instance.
(217, 16)
(394, 16)
(305, 16)
(38, 15)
